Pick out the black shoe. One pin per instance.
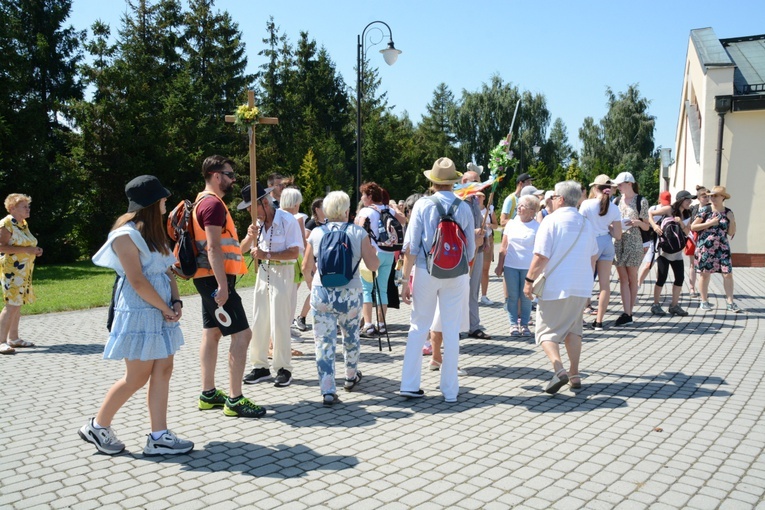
(329, 400)
(257, 375)
(597, 326)
(283, 378)
(351, 383)
(623, 319)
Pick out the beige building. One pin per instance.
(720, 136)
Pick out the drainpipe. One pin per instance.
(722, 106)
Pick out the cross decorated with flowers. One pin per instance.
(247, 116)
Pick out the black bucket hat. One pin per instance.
(247, 194)
(143, 191)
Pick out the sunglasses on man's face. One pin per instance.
(230, 175)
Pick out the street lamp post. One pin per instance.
(390, 54)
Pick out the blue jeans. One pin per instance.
(514, 281)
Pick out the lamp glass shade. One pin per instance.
(390, 54)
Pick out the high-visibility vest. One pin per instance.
(229, 240)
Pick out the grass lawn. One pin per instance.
(84, 285)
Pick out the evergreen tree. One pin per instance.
(435, 135)
(37, 81)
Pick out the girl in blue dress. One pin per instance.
(145, 330)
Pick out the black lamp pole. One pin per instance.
(390, 54)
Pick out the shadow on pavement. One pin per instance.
(669, 385)
(77, 349)
(280, 461)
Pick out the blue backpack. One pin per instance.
(335, 260)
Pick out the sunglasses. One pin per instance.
(230, 175)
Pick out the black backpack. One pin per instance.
(672, 239)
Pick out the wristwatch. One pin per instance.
(176, 301)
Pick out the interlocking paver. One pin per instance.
(504, 444)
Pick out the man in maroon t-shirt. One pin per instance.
(218, 291)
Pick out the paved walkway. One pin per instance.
(671, 416)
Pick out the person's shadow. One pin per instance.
(279, 461)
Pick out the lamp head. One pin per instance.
(390, 54)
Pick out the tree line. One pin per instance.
(82, 113)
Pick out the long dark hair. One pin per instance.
(684, 214)
(148, 221)
(605, 200)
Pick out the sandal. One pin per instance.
(590, 311)
(6, 349)
(557, 382)
(20, 343)
(351, 383)
(575, 385)
(330, 399)
(479, 334)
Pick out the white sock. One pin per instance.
(96, 425)
(158, 434)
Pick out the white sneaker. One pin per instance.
(104, 439)
(485, 301)
(461, 372)
(167, 444)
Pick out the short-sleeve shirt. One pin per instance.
(510, 205)
(572, 275)
(211, 211)
(520, 242)
(590, 209)
(284, 234)
(355, 233)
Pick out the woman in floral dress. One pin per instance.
(715, 226)
(18, 250)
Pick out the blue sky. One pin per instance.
(568, 51)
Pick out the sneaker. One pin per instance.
(427, 350)
(597, 326)
(525, 331)
(104, 439)
(623, 319)
(657, 310)
(299, 324)
(283, 378)
(486, 301)
(412, 394)
(167, 444)
(217, 400)
(706, 306)
(695, 295)
(257, 375)
(676, 310)
(461, 372)
(243, 408)
(295, 337)
(515, 331)
(351, 383)
(732, 307)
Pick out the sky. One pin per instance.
(567, 51)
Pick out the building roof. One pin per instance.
(748, 53)
(708, 47)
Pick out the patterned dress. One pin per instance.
(139, 331)
(17, 267)
(712, 248)
(629, 249)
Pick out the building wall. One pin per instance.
(743, 159)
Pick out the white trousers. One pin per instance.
(427, 294)
(273, 309)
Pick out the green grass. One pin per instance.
(83, 285)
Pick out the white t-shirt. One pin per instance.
(573, 275)
(590, 209)
(520, 242)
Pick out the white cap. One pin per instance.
(624, 177)
(549, 194)
(531, 190)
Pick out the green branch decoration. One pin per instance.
(501, 159)
(246, 116)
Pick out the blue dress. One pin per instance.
(139, 331)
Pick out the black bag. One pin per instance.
(672, 239)
(390, 234)
(113, 304)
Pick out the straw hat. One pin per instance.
(719, 190)
(443, 172)
(602, 180)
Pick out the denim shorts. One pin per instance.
(605, 247)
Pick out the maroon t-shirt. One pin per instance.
(211, 211)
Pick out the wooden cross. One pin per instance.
(251, 134)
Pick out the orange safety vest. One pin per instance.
(232, 255)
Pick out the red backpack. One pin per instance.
(448, 257)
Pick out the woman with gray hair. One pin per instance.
(514, 261)
(565, 251)
(333, 306)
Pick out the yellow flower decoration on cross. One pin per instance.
(246, 116)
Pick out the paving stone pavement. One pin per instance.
(670, 416)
